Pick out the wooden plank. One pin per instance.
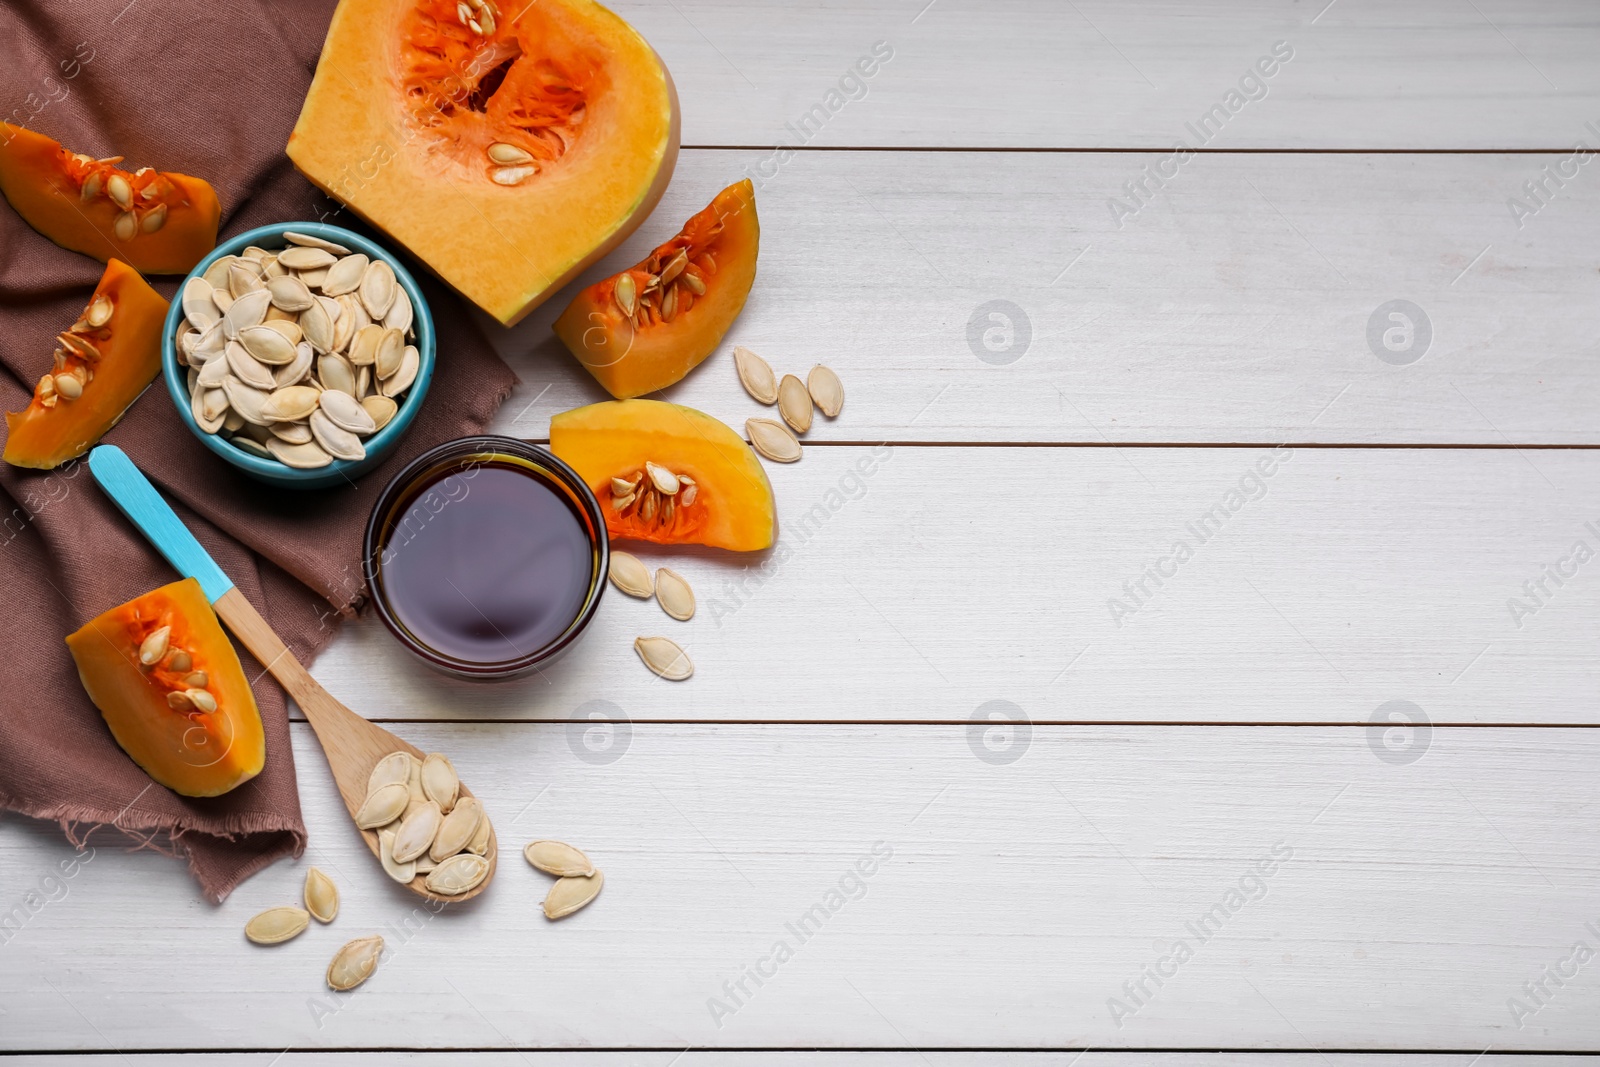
(1099, 73)
(920, 583)
(1006, 907)
(816, 1058)
(1235, 307)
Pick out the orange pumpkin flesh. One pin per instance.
(158, 711)
(507, 144)
(158, 223)
(732, 505)
(645, 328)
(108, 356)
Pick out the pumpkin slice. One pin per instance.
(169, 685)
(158, 223)
(508, 145)
(645, 328)
(668, 474)
(101, 365)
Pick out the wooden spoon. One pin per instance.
(352, 745)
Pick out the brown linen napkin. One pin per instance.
(211, 90)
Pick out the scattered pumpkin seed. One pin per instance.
(571, 893)
(826, 389)
(755, 374)
(354, 963)
(322, 896)
(773, 440)
(629, 574)
(664, 658)
(558, 858)
(674, 594)
(277, 925)
(794, 403)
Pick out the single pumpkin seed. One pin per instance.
(69, 386)
(198, 306)
(247, 368)
(459, 874)
(693, 282)
(178, 700)
(154, 219)
(201, 699)
(558, 858)
(337, 441)
(364, 345)
(794, 403)
(91, 187)
(626, 293)
(256, 254)
(295, 433)
(674, 267)
(382, 806)
(277, 925)
(308, 456)
(400, 313)
(400, 872)
(292, 403)
(391, 353)
(457, 829)
(664, 480)
(414, 782)
(346, 412)
(335, 372)
(509, 154)
(223, 299)
(392, 769)
(826, 389)
(307, 240)
(295, 371)
(622, 486)
(621, 503)
(120, 191)
(512, 175)
(321, 896)
(290, 293)
(196, 679)
(377, 289)
(217, 274)
(179, 661)
(571, 893)
(246, 400)
(345, 275)
(317, 326)
(439, 781)
(416, 832)
(629, 574)
(269, 344)
(244, 276)
(354, 963)
(247, 311)
(674, 594)
(154, 646)
(755, 374)
(664, 658)
(772, 439)
(212, 373)
(400, 381)
(381, 408)
(210, 408)
(306, 257)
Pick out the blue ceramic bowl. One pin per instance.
(380, 444)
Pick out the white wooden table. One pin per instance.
(1244, 712)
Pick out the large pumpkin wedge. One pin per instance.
(171, 688)
(645, 328)
(507, 144)
(159, 223)
(101, 365)
(668, 473)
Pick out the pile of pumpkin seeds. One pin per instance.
(795, 399)
(425, 826)
(578, 880)
(297, 355)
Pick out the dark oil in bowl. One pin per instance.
(484, 560)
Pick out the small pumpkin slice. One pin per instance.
(160, 223)
(169, 685)
(101, 365)
(668, 474)
(646, 328)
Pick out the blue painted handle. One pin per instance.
(131, 491)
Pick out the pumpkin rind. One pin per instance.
(733, 508)
(67, 196)
(632, 355)
(508, 146)
(46, 435)
(190, 751)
